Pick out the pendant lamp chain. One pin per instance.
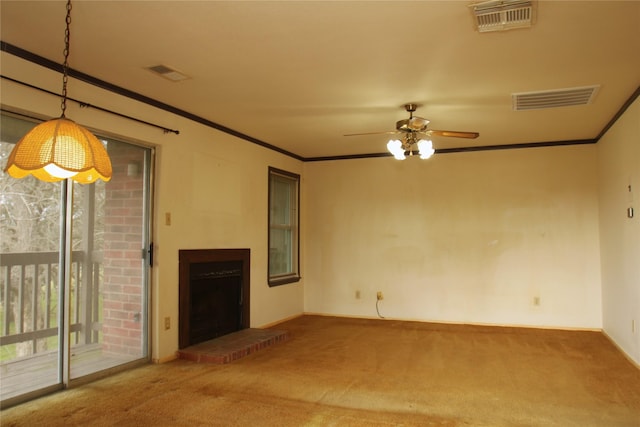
(60, 148)
(65, 65)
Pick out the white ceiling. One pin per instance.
(300, 74)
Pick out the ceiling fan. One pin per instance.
(411, 130)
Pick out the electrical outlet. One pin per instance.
(167, 218)
(357, 294)
(536, 301)
(633, 326)
(379, 296)
(167, 323)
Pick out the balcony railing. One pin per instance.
(30, 299)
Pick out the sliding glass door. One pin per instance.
(73, 272)
(30, 253)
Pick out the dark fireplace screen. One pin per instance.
(215, 300)
(214, 293)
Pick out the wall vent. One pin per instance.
(554, 98)
(500, 15)
(168, 73)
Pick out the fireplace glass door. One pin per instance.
(215, 300)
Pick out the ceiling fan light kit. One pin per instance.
(399, 149)
(395, 147)
(425, 148)
(411, 130)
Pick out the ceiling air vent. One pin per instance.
(168, 73)
(500, 15)
(554, 98)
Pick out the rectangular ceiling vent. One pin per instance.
(500, 15)
(554, 98)
(168, 73)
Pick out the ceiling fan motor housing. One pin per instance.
(413, 124)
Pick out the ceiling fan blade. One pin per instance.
(455, 134)
(372, 133)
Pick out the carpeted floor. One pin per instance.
(355, 372)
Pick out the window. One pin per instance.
(284, 216)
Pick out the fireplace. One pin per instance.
(214, 293)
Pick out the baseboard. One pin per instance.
(451, 322)
(350, 316)
(624, 353)
(277, 322)
(165, 359)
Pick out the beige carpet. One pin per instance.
(353, 372)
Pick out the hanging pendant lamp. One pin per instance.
(60, 148)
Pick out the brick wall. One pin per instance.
(123, 292)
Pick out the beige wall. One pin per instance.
(468, 237)
(214, 186)
(619, 168)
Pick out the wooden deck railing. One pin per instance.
(29, 297)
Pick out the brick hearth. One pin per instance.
(233, 346)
